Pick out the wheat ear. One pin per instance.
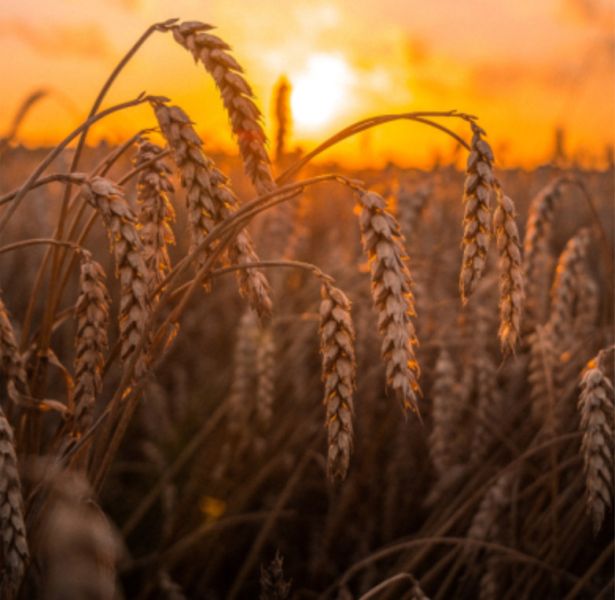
(237, 97)
(392, 295)
(511, 272)
(477, 214)
(273, 586)
(445, 415)
(210, 201)
(537, 254)
(338, 374)
(486, 520)
(156, 213)
(565, 288)
(14, 542)
(92, 315)
(11, 360)
(597, 408)
(79, 547)
(134, 276)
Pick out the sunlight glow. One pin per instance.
(320, 91)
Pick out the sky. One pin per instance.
(525, 67)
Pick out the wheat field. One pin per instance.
(266, 376)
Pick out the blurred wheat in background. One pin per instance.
(407, 393)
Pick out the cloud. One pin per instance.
(85, 40)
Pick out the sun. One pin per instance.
(320, 91)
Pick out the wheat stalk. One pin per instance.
(392, 296)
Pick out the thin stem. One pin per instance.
(34, 176)
(359, 126)
(39, 241)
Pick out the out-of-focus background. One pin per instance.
(539, 74)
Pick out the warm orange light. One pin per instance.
(320, 91)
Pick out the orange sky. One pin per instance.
(523, 66)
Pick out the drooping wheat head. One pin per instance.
(14, 542)
(537, 254)
(131, 269)
(338, 374)
(392, 296)
(237, 97)
(156, 213)
(512, 297)
(92, 315)
(477, 212)
(210, 201)
(597, 408)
